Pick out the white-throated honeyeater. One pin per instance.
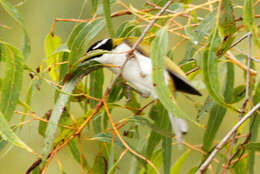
(138, 71)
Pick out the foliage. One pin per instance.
(211, 58)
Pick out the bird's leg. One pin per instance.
(131, 55)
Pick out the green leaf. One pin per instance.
(240, 167)
(14, 13)
(210, 70)
(176, 168)
(167, 152)
(13, 79)
(81, 37)
(70, 83)
(159, 50)
(254, 128)
(238, 93)
(253, 146)
(99, 165)
(76, 153)
(193, 170)
(159, 115)
(43, 125)
(156, 160)
(111, 164)
(105, 137)
(108, 18)
(96, 90)
(249, 20)
(127, 29)
(94, 4)
(207, 106)
(3, 144)
(227, 26)
(51, 43)
(201, 31)
(218, 112)
(8, 135)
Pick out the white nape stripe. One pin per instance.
(100, 43)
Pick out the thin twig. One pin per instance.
(233, 60)
(240, 39)
(221, 144)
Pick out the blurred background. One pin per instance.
(39, 16)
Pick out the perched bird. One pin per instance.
(138, 71)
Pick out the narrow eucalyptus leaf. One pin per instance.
(107, 13)
(15, 14)
(176, 168)
(70, 83)
(218, 112)
(8, 135)
(13, 78)
(51, 44)
(254, 129)
(159, 50)
(249, 20)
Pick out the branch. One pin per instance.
(204, 166)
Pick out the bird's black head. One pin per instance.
(105, 44)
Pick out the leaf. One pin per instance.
(218, 112)
(226, 25)
(94, 4)
(201, 31)
(96, 90)
(207, 106)
(249, 20)
(13, 79)
(238, 93)
(80, 38)
(210, 73)
(111, 164)
(72, 80)
(159, 50)
(253, 146)
(161, 121)
(127, 29)
(74, 149)
(14, 13)
(167, 152)
(99, 165)
(51, 43)
(176, 168)
(240, 166)
(3, 144)
(105, 137)
(156, 160)
(107, 13)
(254, 128)
(8, 135)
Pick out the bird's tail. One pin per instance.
(179, 126)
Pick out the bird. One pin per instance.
(138, 71)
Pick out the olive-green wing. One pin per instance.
(180, 80)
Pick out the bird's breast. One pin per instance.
(137, 71)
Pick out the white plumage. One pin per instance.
(133, 74)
